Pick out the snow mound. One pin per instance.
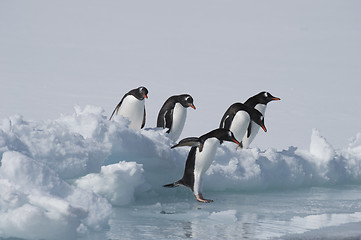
(116, 182)
(33, 196)
(320, 148)
(64, 175)
(253, 169)
(54, 143)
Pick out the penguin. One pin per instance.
(132, 106)
(258, 102)
(237, 119)
(200, 157)
(173, 114)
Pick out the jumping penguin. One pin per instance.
(200, 158)
(132, 106)
(258, 102)
(173, 114)
(237, 119)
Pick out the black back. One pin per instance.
(228, 116)
(165, 115)
(220, 133)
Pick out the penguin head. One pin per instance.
(186, 100)
(141, 93)
(225, 135)
(265, 97)
(258, 118)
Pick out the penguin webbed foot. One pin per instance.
(201, 199)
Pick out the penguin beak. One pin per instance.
(264, 128)
(145, 96)
(234, 140)
(276, 98)
(192, 106)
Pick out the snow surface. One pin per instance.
(66, 178)
(72, 174)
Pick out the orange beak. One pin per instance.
(264, 128)
(234, 140)
(276, 98)
(145, 96)
(192, 106)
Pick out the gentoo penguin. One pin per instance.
(173, 114)
(200, 159)
(237, 119)
(132, 107)
(259, 102)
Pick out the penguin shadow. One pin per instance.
(187, 229)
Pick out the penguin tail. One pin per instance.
(172, 185)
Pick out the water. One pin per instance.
(318, 212)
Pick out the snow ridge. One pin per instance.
(66, 174)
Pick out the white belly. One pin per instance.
(133, 109)
(240, 124)
(255, 127)
(179, 119)
(203, 161)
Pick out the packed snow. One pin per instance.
(64, 176)
(70, 173)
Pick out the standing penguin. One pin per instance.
(258, 102)
(237, 119)
(200, 159)
(132, 106)
(173, 114)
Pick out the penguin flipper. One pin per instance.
(168, 118)
(117, 107)
(223, 121)
(249, 129)
(228, 116)
(115, 110)
(190, 141)
(165, 119)
(227, 120)
(143, 123)
(200, 146)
